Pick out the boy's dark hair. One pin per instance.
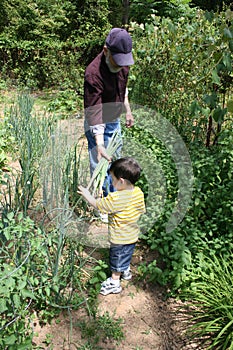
(127, 168)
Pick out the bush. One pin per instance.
(207, 227)
(185, 78)
(184, 71)
(47, 44)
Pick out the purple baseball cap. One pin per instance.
(119, 43)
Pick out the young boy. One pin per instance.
(124, 207)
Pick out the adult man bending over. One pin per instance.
(106, 97)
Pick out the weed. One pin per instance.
(48, 339)
(131, 295)
(64, 103)
(100, 328)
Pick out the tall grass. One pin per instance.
(31, 133)
(211, 309)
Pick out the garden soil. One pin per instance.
(150, 320)
(149, 323)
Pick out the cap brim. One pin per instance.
(123, 59)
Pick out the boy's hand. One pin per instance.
(87, 195)
(83, 191)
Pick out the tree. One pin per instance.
(142, 11)
(211, 5)
(39, 39)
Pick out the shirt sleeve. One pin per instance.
(97, 129)
(106, 204)
(93, 92)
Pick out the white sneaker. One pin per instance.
(126, 275)
(102, 217)
(108, 287)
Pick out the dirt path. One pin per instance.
(149, 320)
(149, 323)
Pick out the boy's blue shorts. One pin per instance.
(120, 256)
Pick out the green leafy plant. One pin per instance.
(6, 144)
(209, 306)
(65, 103)
(207, 226)
(40, 271)
(16, 293)
(97, 275)
(49, 49)
(197, 101)
(100, 328)
(197, 94)
(144, 11)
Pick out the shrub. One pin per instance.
(184, 70)
(182, 74)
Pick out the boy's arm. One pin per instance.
(87, 195)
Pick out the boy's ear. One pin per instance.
(122, 180)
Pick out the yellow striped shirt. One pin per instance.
(124, 209)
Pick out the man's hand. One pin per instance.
(129, 120)
(101, 152)
(100, 148)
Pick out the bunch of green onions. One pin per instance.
(99, 174)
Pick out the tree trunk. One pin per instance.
(209, 130)
(125, 14)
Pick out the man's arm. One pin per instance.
(128, 117)
(98, 134)
(93, 88)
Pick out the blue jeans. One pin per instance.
(120, 256)
(110, 128)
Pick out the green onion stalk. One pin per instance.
(99, 174)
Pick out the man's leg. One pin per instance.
(110, 129)
(91, 149)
